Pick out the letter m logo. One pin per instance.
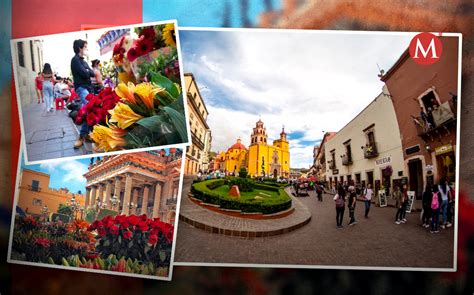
(425, 48)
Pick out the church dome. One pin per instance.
(237, 146)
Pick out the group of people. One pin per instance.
(86, 79)
(437, 200)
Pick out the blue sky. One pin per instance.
(203, 13)
(64, 173)
(309, 82)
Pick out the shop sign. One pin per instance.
(335, 171)
(443, 149)
(383, 161)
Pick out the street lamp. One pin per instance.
(132, 205)
(114, 201)
(74, 204)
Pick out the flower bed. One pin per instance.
(134, 244)
(216, 192)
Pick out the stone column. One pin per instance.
(135, 191)
(146, 192)
(127, 194)
(88, 194)
(108, 190)
(92, 195)
(157, 200)
(117, 189)
(100, 195)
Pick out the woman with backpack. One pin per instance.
(435, 209)
(339, 198)
(426, 201)
(444, 191)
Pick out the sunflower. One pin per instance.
(169, 35)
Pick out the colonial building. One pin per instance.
(29, 58)
(136, 183)
(35, 193)
(320, 158)
(260, 158)
(425, 102)
(368, 149)
(197, 153)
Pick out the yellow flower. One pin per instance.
(123, 115)
(169, 35)
(147, 92)
(108, 138)
(126, 92)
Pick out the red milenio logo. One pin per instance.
(425, 48)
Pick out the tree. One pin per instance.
(65, 209)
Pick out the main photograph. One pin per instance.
(319, 149)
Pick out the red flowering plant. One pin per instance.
(135, 237)
(95, 111)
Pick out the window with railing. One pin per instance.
(347, 157)
(34, 186)
(21, 54)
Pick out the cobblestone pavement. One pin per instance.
(376, 241)
(50, 135)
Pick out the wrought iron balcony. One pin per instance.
(346, 159)
(34, 188)
(432, 132)
(370, 150)
(196, 141)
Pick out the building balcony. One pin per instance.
(370, 150)
(346, 160)
(197, 142)
(34, 188)
(437, 131)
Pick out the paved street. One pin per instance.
(50, 135)
(376, 241)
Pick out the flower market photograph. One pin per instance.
(113, 214)
(99, 91)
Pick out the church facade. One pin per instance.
(260, 158)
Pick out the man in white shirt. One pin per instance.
(368, 193)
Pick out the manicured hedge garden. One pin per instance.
(207, 193)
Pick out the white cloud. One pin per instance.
(308, 82)
(71, 170)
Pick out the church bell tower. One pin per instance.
(259, 134)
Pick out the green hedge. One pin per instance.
(204, 192)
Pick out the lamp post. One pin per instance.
(74, 204)
(114, 201)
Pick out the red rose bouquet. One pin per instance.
(96, 110)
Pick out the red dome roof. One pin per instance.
(237, 146)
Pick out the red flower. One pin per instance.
(133, 219)
(144, 46)
(43, 242)
(127, 234)
(118, 46)
(148, 33)
(114, 230)
(132, 54)
(92, 255)
(101, 231)
(153, 239)
(92, 119)
(143, 226)
(144, 217)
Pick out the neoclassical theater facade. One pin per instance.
(136, 183)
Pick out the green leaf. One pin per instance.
(166, 83)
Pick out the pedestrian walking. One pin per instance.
(444, 191)
(435, 210)
(426, 201)
(47, 89)
(39, 87)
(368, 193)
(319, 192)
(451, 207)
(398, 196)
(339, 198)
(404, 203)
(81, 74)
(351, 204)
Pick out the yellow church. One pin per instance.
(260, 158)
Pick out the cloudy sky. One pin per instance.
(309, 82)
